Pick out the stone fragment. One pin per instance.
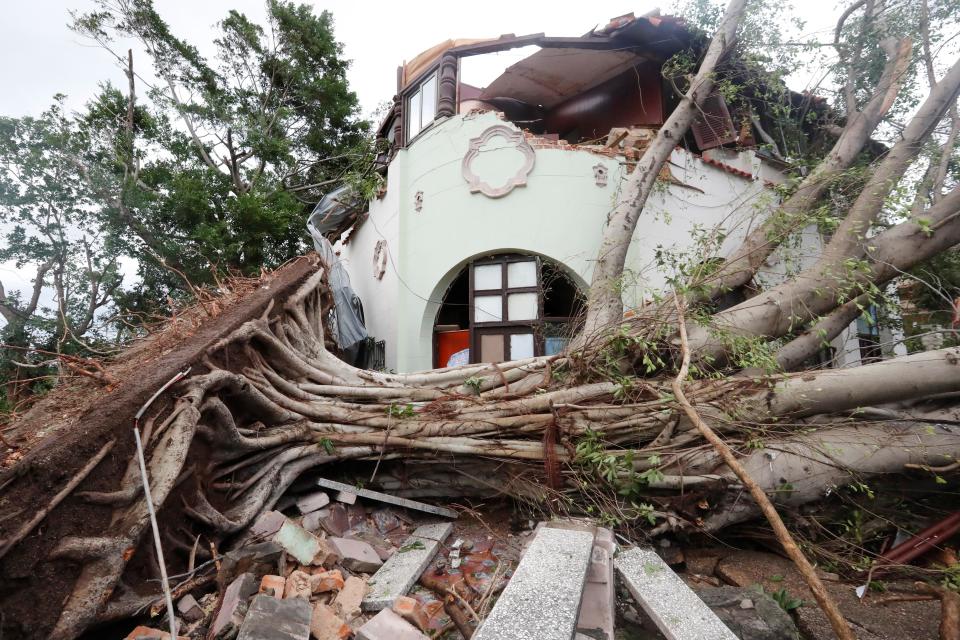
(348, 602)
(387, 625)
(312, 502)
(346, 497)
(189, 608)
(356, 555)
(702, 561)
(313, 521)
(273, 586)
(267, 525)
(598, 602)
(304, 546)
(676, 610)
(387, 498)
(146, 633)
(327, 625)
(275, 619)
(404, 567)
(298, 585)
(542, 599)
(233, 605)
(259, 559)
(412, 611)
(326, 581)
(761, 619)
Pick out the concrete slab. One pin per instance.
(667, 600)
(274, 619)
(404, 567)
(542, 599)
(384, 497)
(388, 625)
(598, 604)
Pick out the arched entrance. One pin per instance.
(506, 307)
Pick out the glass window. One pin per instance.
(488, 276)
(521, 306)
(488, 308)
(521, 274)
(521, 345)
(422, 107)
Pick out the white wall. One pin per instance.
(559, 214)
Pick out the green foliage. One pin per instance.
(473, 383)
(400, 411)
(786, 601)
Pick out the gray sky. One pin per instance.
(42, 57)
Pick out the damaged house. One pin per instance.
(481, 245)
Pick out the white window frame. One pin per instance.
(417, 96)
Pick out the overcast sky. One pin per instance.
(41, 56)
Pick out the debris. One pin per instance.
(921, 543)
(346, 497)
(327, 581)
(274, 586)
(412, 611)
(598, 602)
(312, 502)
(304, 546)
(387, 625)
(274, 619)
(326, 625)
(268, 524)
(383, 497)
(542, 600)
(313, 521)
(233, 604)
(189, 608)
(349, 601)
(670, 604)
(258, 559)
(398, 574)
(298, 585)
(146, 633)
(750, 614)
(356, 555)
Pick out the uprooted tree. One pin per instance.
(606, 427)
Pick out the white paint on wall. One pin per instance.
(559, 214)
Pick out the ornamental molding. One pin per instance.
(519, 143)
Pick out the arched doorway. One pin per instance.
(506, 307)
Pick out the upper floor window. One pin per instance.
(422, 106)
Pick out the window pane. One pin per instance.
(413, 117)
(488, 276)
(554, 345)
(521, 345)
(429, 108)
(491, 348)
(488, 308)
(522, 306)
(522, 274)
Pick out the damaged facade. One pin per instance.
(481, 246)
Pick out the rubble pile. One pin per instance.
(337, 568)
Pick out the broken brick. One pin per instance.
(357, 555)
(412, 611)
(189, 608)
(312, 502)
(306, 547)
(298, 585)
(268, 524)
(387, 625)
(233, 604)
(327, 581)
(146, 633)
(273, 619)
(327, 625)
(273, 586)
(348, 600)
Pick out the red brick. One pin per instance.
(273, 585)
(412, 611)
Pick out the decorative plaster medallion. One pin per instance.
(518, 142)
(379, 259)
(418, 201)
(600, 174)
